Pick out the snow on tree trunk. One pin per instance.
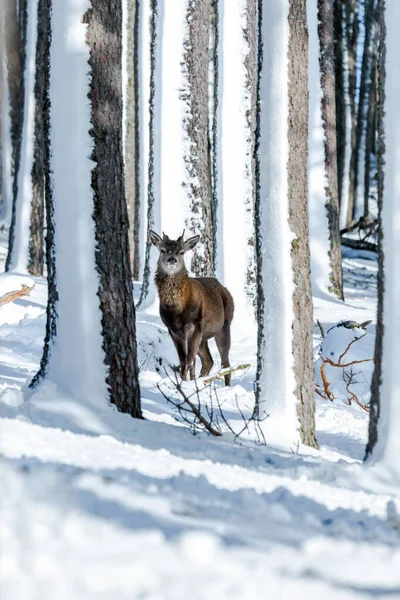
(285, 365)
(328, 107)
(36, 245)
(18, 251)
(110, 211)
(144, 22)
(73, 358)
(345, 185)
(5, 127)
(237, 27)
(151, 173)
(386, 405)
(321, 267)
(130, 123)
(195, 64)
(52, 294)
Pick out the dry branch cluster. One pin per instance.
(326, 393)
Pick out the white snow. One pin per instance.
(76, 364)
(317, 180)
(277, 382)
(20, 256)
(235, 214)
(135, 509)
(387, 450)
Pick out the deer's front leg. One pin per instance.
(194, 340)
(181, 348)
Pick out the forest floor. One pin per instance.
(104, 506)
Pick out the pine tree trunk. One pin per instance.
(338, 17)
(110, 210)
(36, 242)
(370, 117)
(352, 32)
(298, 219)
(328, 107)
(52, 293)
(16, 35)
(377, 375)
(198, 160)
(132, 132)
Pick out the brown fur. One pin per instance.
(194, 310)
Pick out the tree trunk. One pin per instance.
(298, 218)
(352, 32)
(36, 245)
(377, 375)
(131, 142)
(110, 210)
(338, 18)
(198, 160)
(362, 113)
(52, 294)
(371, 120)
(16, 20)
(285, 375)
(328, 107)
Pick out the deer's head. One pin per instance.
(171, 259)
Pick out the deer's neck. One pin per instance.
(172, 288)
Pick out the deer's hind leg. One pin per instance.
(206, 358)
(223, 341)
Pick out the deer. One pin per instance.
(194, 309)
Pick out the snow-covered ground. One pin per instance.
(111, 507)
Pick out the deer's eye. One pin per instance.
(181, 253)
(162, 251)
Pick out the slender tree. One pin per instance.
(375, 404)
(284, 389)
(131, 125)
(328, 108)
(90, 346)
(384, 441)
(201, 218)
(36, 241)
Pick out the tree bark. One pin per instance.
(198, 159)
(110, 211)
(328, 108)
(377, 375)
(36, 245)
(132, 133)
(52, 293)
(352, 32)
(298, 219)
(338, 17)
(16, 19)
(371, 127)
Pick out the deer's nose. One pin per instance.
(172, 260)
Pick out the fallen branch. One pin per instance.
(359, 244)
(356, 339)
(11, 296)
(224, 372)
(325, 381)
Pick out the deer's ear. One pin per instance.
(190, 243)
(155, 239)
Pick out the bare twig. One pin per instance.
(11, 296)
(348, 347)
(321, 329)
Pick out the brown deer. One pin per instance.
(194, 309)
